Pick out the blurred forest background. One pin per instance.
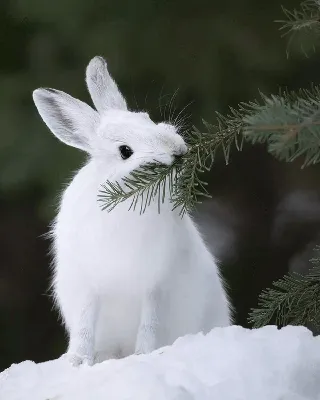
(264, 217)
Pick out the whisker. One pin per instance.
(180, 113)
(135, 99)
(150, 152)
(182, 119)
(165, 109)
(172, 111)
(184, 122)
(182, 127)
(159, 100)
(146, 97)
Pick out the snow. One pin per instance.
(227, 364)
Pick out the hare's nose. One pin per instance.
(181, 151)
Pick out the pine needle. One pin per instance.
(294, 300)
(289, 123)
(143, 186)
(302, 25)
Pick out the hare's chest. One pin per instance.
(120, 250)
(129, 254)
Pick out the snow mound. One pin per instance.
(227, 364)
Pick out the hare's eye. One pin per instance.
(125, 151)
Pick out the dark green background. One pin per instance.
(217, 53)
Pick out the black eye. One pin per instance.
(125, 151)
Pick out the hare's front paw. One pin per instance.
(78, 359)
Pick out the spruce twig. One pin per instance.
(308, 17)
(290, 126)
(289, 123)
(294, 299)
(143, 186)
(303, 23)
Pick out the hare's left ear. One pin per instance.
(69, 119)
(102, 88)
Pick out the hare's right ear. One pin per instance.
(69, 119)
(102, 88)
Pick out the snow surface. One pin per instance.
(227, 364)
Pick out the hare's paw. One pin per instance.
(145, 347)
(146, 341)
(101, 356)
(78, 359)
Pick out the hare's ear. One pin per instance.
(69, 119)
(102, 88)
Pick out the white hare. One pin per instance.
(124, 283)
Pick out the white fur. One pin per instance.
(124, 282)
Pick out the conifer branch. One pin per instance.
(305, 21)
(204, 147)
(143, 186)
(308, 17)
(290, 126)
(289, 123)
(294, 299)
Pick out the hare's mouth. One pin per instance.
(166, 159)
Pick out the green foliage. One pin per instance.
(289, 123)
(303, 24)
(294, 299)
(142, 186)
(204, 146)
